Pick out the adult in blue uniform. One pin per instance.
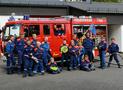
(102, 52)
(34, 40)
(10, 56)
(28, 62)
(20, 43)
(88, 45)
(38, 65)
(113, 50)
(73, 55)
(46, 49)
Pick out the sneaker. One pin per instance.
(42, 73)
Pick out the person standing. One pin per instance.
(34, 40)
(28, 62)
(88, 45)
(20, 43)
(10, 55)
(113, 50)
(38, 64)
(102, 52)
(64, 52)
(73, 55)
(46, 48)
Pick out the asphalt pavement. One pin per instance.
(107, 79)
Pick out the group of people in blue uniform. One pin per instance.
(81, 55)
(34, 57)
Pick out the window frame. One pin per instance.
(64, 28)
(9, 30)
(29, 31)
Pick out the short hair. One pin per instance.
(113, 38)
(85, 56)
(34, 35)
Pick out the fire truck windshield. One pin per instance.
(12, 30)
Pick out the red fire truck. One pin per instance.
(49, 27)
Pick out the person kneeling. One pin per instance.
(52, 67)
(86, 65)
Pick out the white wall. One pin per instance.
(116, 31)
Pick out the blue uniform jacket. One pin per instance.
(45, 47)
(85, 64)
(113, 48)
(20, 44)
(10, 47)
(37, 53)
(88, 44)
(28, 50)
(82, 51)
(102, 46)
(76, 42)
(73, 50)
(34, 43)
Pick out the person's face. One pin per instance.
(46, 39)
(87, 35)
(38, 44)
(72, 43)
(27, 38)
(86, 58)
(74, 37)
(28, 43)
(52, 60)
(113, 41)
(102, 39)
(34, 36)
(12, 38)
(64, 42)
(22, 36)
(60, 29)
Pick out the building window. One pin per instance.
(46, 29)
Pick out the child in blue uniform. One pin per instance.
(37, 54)
(73, 55)
(64, 52)
(10, 56)
(80, 54)
(113, 50)
(102, 52)
(86, 65)
(28, 62)
(52, 67)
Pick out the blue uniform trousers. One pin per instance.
(102, 59)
